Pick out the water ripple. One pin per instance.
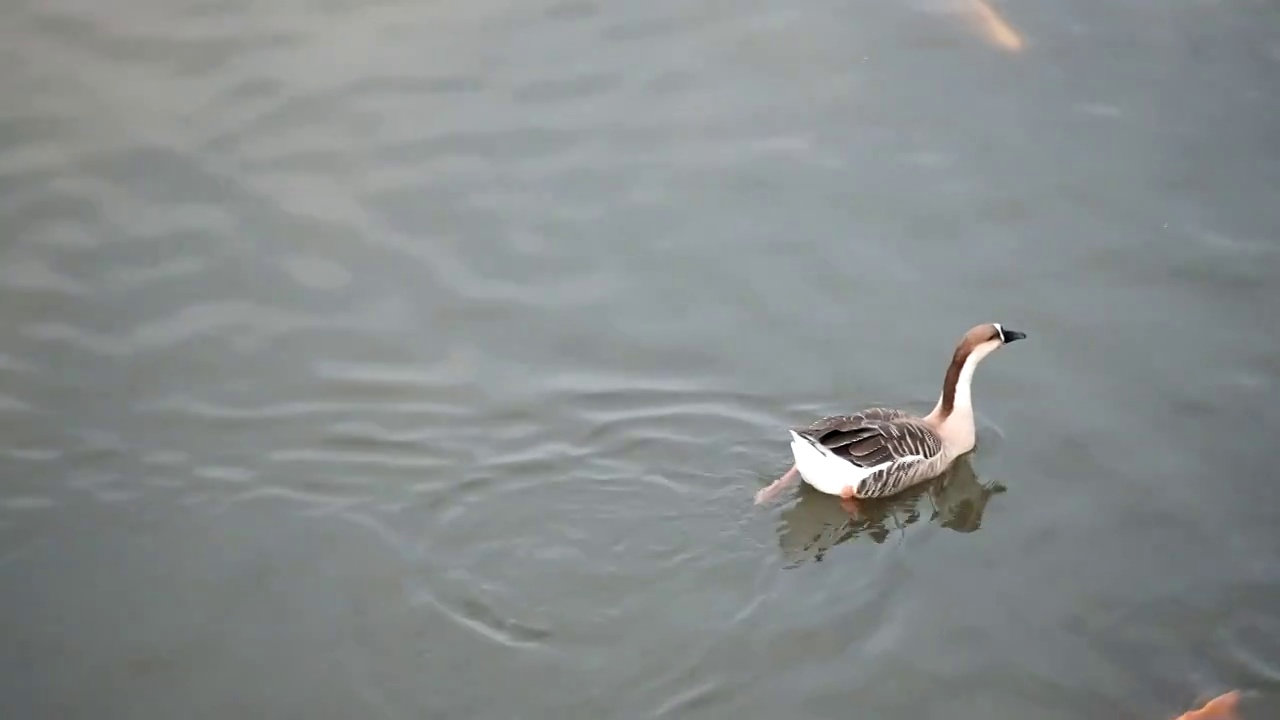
(9, 363)
(474, 614)
(35, 275)
(225, 474)
(582, 87)
(141, 277)
(165, 458)
(26, 502)
(32, 454)
(349, 458)
(13, 405)
(314, 503)
(247, 321)
(197, 408)
(450, 371)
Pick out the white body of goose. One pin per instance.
(880, 451)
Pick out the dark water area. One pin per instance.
(421, 360)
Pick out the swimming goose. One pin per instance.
(880, 451)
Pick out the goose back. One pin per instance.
(885, 451)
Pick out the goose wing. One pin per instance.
(890, 443)
(837, 423)
(871, 441)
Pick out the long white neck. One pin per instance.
(957, 426)
(964, 384)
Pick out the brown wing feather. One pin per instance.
(837, 423)
(875, 436)
(838, 430)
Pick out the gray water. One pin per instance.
(421, 360)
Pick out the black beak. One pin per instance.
(1011, 335)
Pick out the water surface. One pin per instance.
(421, 360)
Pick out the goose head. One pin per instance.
(1006, 335)
(981, 341)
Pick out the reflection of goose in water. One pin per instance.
(814, 524)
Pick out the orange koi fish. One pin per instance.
(1222, 707)
(999, 32)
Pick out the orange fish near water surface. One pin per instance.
(997, 31)
(1222, 707)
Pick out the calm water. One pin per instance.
(421, 360)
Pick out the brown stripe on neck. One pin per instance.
(953, 378)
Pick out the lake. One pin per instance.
(421, 360)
